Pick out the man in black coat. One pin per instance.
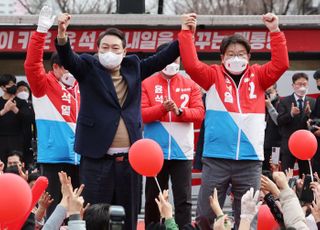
(109, 120)
(294, 112)
(315, 125)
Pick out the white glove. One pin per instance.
(45, 20)
(250, 205)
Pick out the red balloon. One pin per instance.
(303, 144)
(15, 197)
(146, 157)
(266, 220)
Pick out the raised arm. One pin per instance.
(33, 64)
(70, 60)
(160, 60)
(279, 63)
(200, 72)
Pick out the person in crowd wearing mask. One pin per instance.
(170, 104)
(16, 164)
(13, 115)
(29, 131)
(235, 111)
(294, 112)
(110, 120)
(56, 101)
(314, 124)
(272, 138)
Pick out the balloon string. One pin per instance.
(311, 173)
(157, 184)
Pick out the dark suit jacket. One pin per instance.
(289, 124)
(100, 110)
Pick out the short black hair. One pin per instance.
(25, 84)
(234, 39)
(115, 32)
(97, 217)
(162, 46)
(55, 59)
(299, 75)
(316, 74)
(16, 153)
(6, 78)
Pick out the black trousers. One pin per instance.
(54, 188)
(9, 143)
(111, 181)
(180, 173)
(267, 155)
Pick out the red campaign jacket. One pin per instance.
(56, 107)
(234, 124)
(175, 134)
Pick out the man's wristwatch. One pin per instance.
(180, 112)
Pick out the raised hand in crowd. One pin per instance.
(63, 23)
(75, 201)
(316, 176)
(222, 223)
(289, 173)
(249, 207)
(66, 188)
(214, 203)
(315, 186)
(22, 173)
(315, 206)
(281, 180)
(271, 21)
(165, 208)
(274, 167)
(268, 185)
(45, 20)
(43, 203)
(294, 110)
(189, 22)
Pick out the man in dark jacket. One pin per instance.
(315, 124)
(294, 112)
(109, 120)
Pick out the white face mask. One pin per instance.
(236, 65)
(171, 69)
(68, 79)
(302, 91)
(23, 95)
(110, 60)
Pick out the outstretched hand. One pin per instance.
(189, 22)
(271, 21)
(46, 19)
(63, 23)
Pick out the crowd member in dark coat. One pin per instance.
(109, 120)
(13, 115)
(29, 130)
(315, 124)
(272, 138)
(294, 112)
